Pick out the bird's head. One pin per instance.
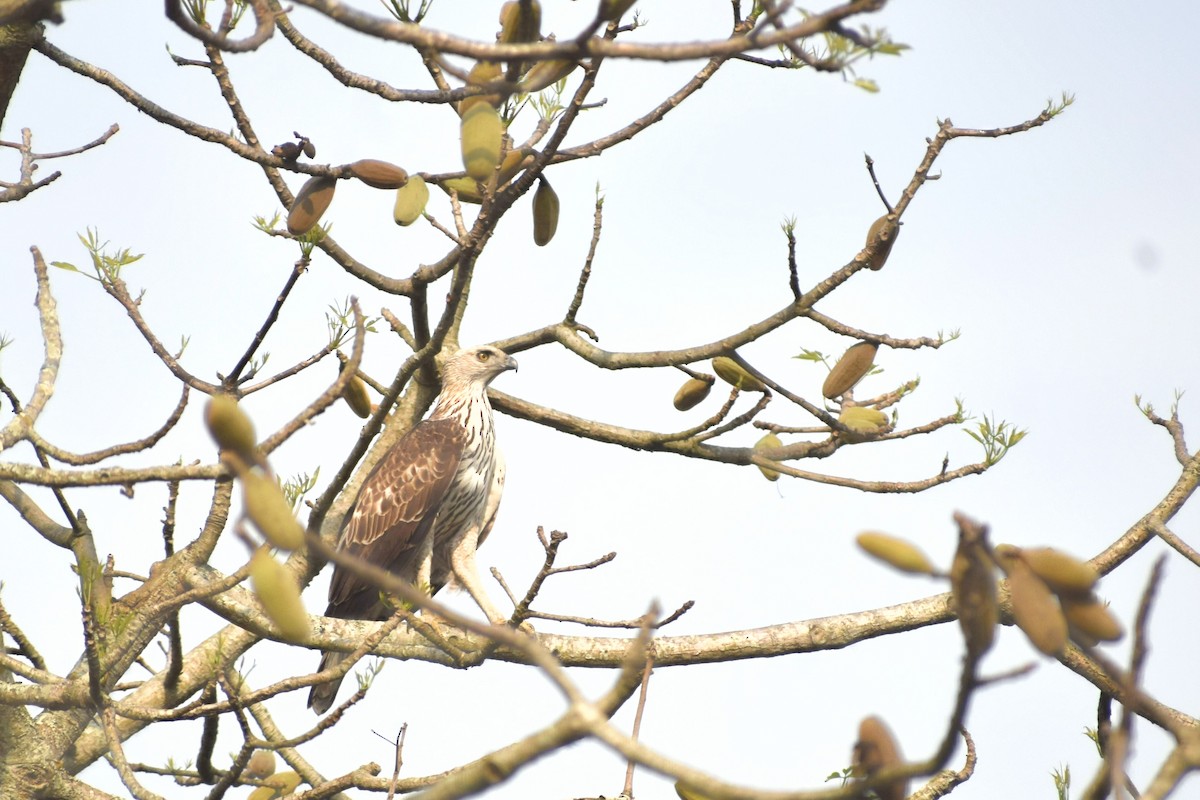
(477, 365)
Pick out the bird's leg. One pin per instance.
(462, 564)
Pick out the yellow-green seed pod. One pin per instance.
(261, 764)
(850, 369)
(545, 213)
(268, 509)
(688, 793)
(876, 750)
(861, 419)
(1088, 616)
(411, 199)
(482, 74)
(467, 189)
(1034, 609)
(1064, 574)
(612, 10)
(279, 785)
(310, 204)
(231, 428)
(692, 393)
(277, 590)
(379, 174)
(546, 73)
(482, 138)
(732, 373)
(896, 552)
(355, 395)
(973, 587)
(514, 159)
(520, 22)
(880, 238)
(768, 442)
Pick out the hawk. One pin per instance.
(428, 503)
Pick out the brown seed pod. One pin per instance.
(546, 73)
(411, 199)
(1088, 616)
(973, 587)
(732, 373)
(268, 509)
(768, 442)
(482, 74)
(880, 238)
(310, 204)
(379, 174)
(1034, 609)
(861, 419)
(545, 213)
(277, 590)
(355, 395)
(876, 750)
(288, 151)
(467, 189)
(692, 393)
(1064, 574)
(309, 148)
(261, 764)
(482, 138)
(850, 369)
(896, 552)
(520, 21)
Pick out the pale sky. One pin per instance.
(1064, 255)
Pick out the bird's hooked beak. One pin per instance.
(510, 363)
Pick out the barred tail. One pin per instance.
(322, 695)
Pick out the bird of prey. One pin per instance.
(428, 503)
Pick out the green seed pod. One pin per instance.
(732, 373)
(520, 22)
(768, 442)
(973, 587)
(1090, 619)
(482, 138)
(355, 395)
(379, 174)
(467, 188)
(880, 239)
(1034, 609)
(311, 202)
(1064, 574)
(692, 393)
(268, 509)
(261, 764)
(411, 199)
(896, 552)
(861, 419)
(231, 428)
(279, 594)
(545, 213)
(849, 370)
(876, 750)
(546, 73)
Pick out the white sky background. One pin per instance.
(1065, 255)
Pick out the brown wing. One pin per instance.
(395, 510)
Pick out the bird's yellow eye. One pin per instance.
(484, 355)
